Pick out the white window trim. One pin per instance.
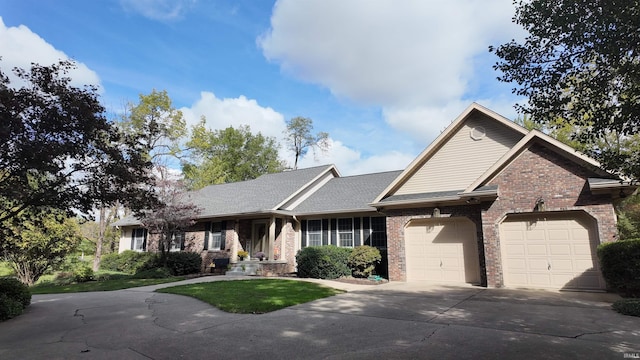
(344, 232)
(215, 235)
(318, 232)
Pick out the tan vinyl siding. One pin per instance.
(461, 160)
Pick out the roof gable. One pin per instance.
(464, 151)
(537, 137)
(263, 194)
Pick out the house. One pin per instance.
(487, 203)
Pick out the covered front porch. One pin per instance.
(270, 244)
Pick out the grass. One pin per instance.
(253, 296)
(102, 285)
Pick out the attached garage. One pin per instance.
(550, 250)
(442, 250)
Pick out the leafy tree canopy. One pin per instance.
(157, 124)
(581, 63)
(229, 155)
(59, 151)
(300, 138)
(38, 239)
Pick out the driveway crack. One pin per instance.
(78, 314)
(454, 305)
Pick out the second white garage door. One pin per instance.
(442, 250)
(554, 251)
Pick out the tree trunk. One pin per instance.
(102, 229)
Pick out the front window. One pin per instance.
(215, 240)
(345, 232)
(137, 239)
(177, 239)
(379, 232)
(314, 232)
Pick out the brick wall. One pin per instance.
(536, 173)
(397, 220)
(541, 173)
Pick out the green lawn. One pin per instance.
(253, 296)
(103, 285)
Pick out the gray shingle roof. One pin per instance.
(258, 195)
(253, 196)
(348, 193)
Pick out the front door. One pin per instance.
(260, 238)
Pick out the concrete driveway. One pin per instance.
(391, 321)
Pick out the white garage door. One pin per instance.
(442, 250)
(554, 251)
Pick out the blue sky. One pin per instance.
(382, 77)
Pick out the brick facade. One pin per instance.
(536, 173)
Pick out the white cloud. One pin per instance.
(415, 59)
(162, 10)
(350, 161)
(19, 47)
(222, 113)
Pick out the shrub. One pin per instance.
(184, 263)
(627, 306)
(83, 273)
(128, 261)
(620, 263)
(9, 307)
(14, 289)
(155, 273)
(323, 262)
(363, 260)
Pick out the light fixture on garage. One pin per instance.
(473, 200)
(539, 205)
(436, 212)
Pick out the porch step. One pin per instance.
(244, 268)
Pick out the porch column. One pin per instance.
(235, 242)
(272, 236)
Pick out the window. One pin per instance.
(379, 232)
(177, 241)
(138, 239)
(345, 232)
(314, 232)
(215, 238)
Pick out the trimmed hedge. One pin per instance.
(183, 263)
(323, 262)
(128, 261)
(627, 306)
(363, 260)
(620, 263)
(14, 297)
(133, 262)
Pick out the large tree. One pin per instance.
(58, 150)
(157, 124)
(161, 129)
(36, 240)
(581, 63)
(300, 138)
(229, 155)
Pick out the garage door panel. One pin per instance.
(537, 249)
(560, 251)
(442, 250)
(515, 249)
(537, 264)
